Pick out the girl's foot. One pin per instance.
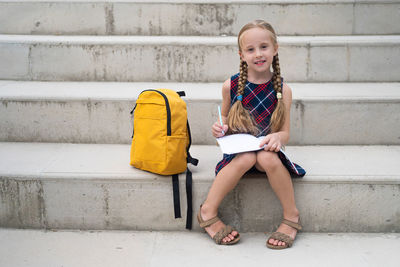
(214, 228)
(286, 229)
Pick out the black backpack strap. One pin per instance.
(189, 197)
(133, 129)
(191, 160)
(175, 189)
(189, 186)
(189, 183)
(133, 109)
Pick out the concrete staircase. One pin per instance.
(71, 72)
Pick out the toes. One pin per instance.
(226, 239)
(276, 242)
(229, 237)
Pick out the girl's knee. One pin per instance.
(268, 160)
(246, 160)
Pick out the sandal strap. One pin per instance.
(282, 237)
(294, 225)
(204, 224)
(224, 232)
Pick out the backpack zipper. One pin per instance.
(166, 105)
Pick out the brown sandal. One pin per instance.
(218, 237)
(284, 237)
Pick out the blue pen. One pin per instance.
(220, 119)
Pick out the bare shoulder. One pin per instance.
(226, 97)
(286, 89)
(287, 95)
(226, 87)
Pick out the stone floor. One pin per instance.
(122, 248)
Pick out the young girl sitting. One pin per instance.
(255, 101)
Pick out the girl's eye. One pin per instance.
(264, 46)
(250, 49)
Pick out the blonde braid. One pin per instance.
(242, 77)
(277, 74)
(239, 118)
(278, 116)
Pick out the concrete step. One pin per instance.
(188, 17)
(193, 59)
(154, 249)
(70, 186)
(99, 112)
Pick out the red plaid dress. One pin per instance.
(260, 100)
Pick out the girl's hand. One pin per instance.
(217, 129)
(272, 142)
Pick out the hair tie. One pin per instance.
(240, 97)
(279, 95)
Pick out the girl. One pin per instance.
(255, 101)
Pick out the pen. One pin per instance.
(220, 118)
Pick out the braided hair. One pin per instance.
(278, 116)
(239, 118)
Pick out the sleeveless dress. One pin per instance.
(260, 100)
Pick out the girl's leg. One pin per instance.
(224, 182)
(281, 183)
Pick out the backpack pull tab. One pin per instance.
(181, 93)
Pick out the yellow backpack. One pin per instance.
(161, 140)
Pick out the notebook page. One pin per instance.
(237, 143)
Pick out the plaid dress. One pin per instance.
(260, 100)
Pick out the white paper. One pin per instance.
(237, 143)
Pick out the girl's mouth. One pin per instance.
(260, 62)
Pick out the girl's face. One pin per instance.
(257, 49)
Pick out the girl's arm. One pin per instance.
(278, 139)
(226, 99)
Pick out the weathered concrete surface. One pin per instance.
(197, 17)
(151, 249)
(22, 203)
(76, 112)
(52, 17)
(15, 61)
(194, 59)
(66, 186)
